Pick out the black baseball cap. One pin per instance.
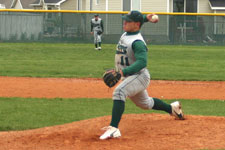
(96, 15)
(134, 16)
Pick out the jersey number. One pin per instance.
(124, 61)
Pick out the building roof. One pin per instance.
(52, 1)
(7, 3)
(217, 4)
(37, 2)
(25, 3)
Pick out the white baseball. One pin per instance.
(155, 17)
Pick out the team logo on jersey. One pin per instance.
(121, 49)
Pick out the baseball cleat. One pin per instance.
(111, 132)
(99, 48)
(96, 48)
(177, 111)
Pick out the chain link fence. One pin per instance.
(16, 26)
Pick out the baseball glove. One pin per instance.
(99, 32)
(111, 77)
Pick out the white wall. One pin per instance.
(154, 5)
(99, 7)
(69, 5)
(204, 7)
(18, 5)
(115, 5)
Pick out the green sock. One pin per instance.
(160, 105)
(99, 43)
(117, 112)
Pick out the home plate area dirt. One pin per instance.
(139, 131)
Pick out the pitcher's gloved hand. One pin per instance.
(111, 77)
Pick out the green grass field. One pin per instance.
(81, 60)
(205, 63)
(21, 113)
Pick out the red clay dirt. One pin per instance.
(95, 88)
(139, 131)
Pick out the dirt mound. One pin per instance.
(148, 131)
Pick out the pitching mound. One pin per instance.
(143, 131)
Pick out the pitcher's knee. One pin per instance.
(143, 106)
(119, 94)
(148, 104)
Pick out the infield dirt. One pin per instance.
(139, 131)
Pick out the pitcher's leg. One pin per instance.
(130, 87)
(117, 112)
(126, 88)
(143, 101)
(161, 105)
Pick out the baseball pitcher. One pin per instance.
(131, 66)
